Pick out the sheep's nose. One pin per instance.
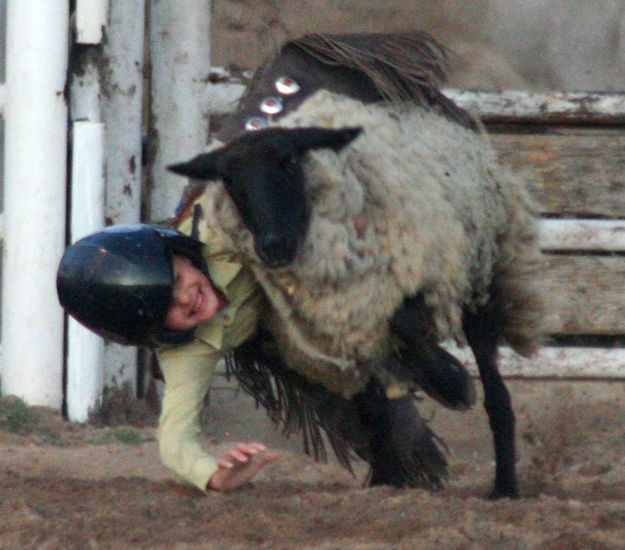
(276, 250)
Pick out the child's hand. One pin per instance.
(239, 464)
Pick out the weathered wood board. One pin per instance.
(581, 174)
(520, 107)
(582, 235)
(570, 148)
(586, 294)
(564, 362)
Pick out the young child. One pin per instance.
(144, 285)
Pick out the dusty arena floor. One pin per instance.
(65, 486)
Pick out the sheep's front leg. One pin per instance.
(436, 371)
(482, 334)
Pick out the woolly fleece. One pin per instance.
(415, 204)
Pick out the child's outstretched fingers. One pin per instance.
(239, 464)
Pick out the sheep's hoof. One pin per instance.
(505, 492)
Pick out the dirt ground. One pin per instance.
(67, 486)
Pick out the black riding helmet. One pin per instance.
(119, 282)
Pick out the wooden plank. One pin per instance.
(582, 235)
(585, 294)
(507, 106)
(577, 175)
(519, 107)
(553, 362)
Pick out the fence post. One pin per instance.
(34, 199)
(85, 350)
(122, 113)
(180, 55)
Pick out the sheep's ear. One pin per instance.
(202, 167)
(305, 139)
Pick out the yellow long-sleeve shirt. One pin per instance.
(187, 369)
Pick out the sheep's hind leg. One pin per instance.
(481, 330)
(402, 450)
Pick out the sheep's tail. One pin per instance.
(389, 434)
(517, 288)
(403, 451)
(409, 66)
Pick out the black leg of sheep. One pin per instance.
(401, 449)
(482, 335)
(389, 434)
(434, 370)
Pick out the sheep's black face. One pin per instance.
(262, 171)
(266, 183)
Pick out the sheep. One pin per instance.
(396, 209)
